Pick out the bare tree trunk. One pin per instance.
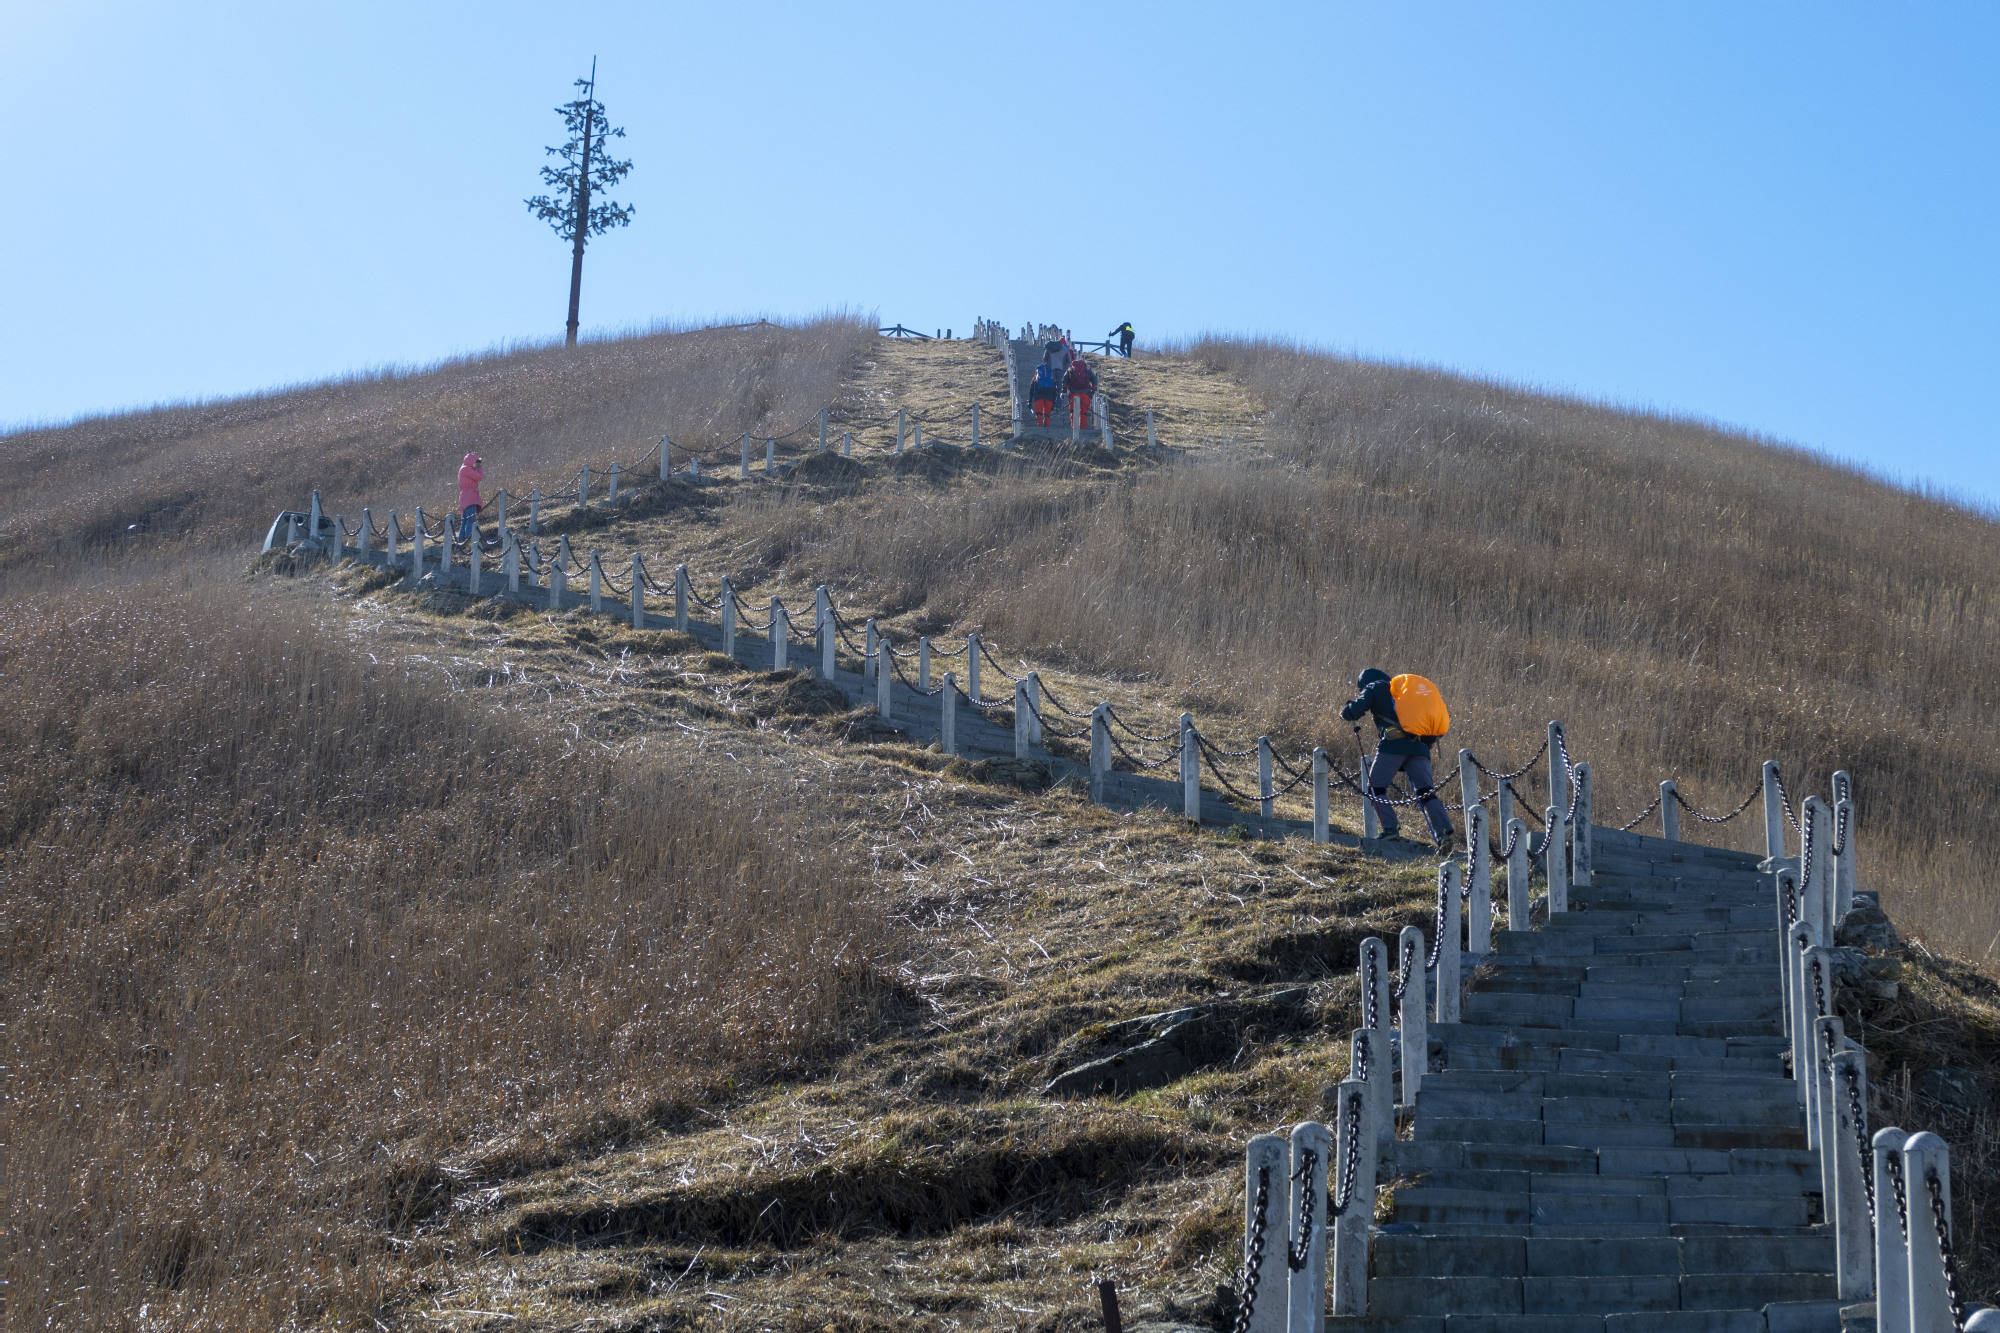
(582, 223)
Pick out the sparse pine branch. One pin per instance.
(582, 173)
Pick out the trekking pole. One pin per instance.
(1371, 826)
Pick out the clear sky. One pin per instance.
(1780, 216)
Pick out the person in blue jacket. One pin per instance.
(1396, 751)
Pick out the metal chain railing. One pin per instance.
(1954, 1289)
(1406, 968)
(1859, 1115)
(1635, 820)
(1533, 759)
(1784, 798)
(1298, 1248)
(1684, 804)
(1253, 1254)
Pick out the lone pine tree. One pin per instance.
(584, 170)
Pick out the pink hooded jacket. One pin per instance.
(470, 474)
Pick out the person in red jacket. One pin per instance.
(1082, 385)
(470, 473)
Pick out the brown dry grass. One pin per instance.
(215, 474)
(1690, 602)
(297, 935)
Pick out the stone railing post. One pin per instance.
(1368, 1058)
(417, 549)
(666, 458)
(1149, 428)
(1843, 860)
(917, 435)
(596, 583)
(1821, 1101)
(1265, 800)
(1104, 421)
(394, 539)
(924, 663)
(1373, 973)
(770, 455)
(1926, 1159)
(339, 536)
(871, 653)
(1816, 880)
(1892, 1243)
(1853, 1244)
(885, 678)
(1774, 812)
(1021, 719)
(1468, 782)
(1555, 860)
(1322, 817)
(1800, 941)
(1449, 982)
(534, 511)
(694, 467)
(1479, 924)
(1670, 811)
(948, 715)
(1075, 419)
(847, 444)
(1785, 885)
(822, 430)
(365, 540)
(1350, 1229)
(472, 554)
(828, 631)
(901, 426)
(510, 560)
(681, 598)
(1412, 1018)
(781, 633)
(1100, 750)
(1035, 707)
(559, 577)
(1503, 806)
(1190, 770)
(1558, 775)
(638, 592)
(728, 611)
(743, 456)
(1520, 897)
(1579, 861)
(975, 425)
(583, 486)
(500, 507)
(314, 516)
(1305, 1301)
(612, 493)
(1267, 1180)
(972, 667)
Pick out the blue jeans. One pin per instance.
(468, 524)
(1417, 767)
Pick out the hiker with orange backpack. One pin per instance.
(1410, 718)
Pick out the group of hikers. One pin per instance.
(1063, 381)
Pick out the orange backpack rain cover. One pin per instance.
(1420, 708)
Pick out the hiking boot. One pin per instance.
(1447, 846)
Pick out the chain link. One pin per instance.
(1627, 828)
(1296, 1250)
(1350, 1163)
(1509, 777)
(1370, 1011)
(1253, 1255)
(1682, 801)
(1784, 798)
(1953, 1289)
(1859, 1114)
(1406, 969)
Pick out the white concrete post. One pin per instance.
(613, 496)
(1035, 707)
(1368, 1051)
(1266, 1177)
(1305, 1301)
(871, 653)
(596, 583)
(1579, 861)
(975, 425)
(885, 679)
(365, 541)
(826, 629)
(1503, 806)
(1558, 775)
(394, 540)
(1843, 860)
(948, 720)
(1853, 1243)
(681, 598)
(924, 663)
(781, 634)
(339, 536)
(770, 455)
(1371, 815)
(1412, 1018)
(1020, 719)
(1817, 879)
(1670, 811)
(1774, 812)
(1449, 981)
(917, 435)
(638, 593)
(534, 510)
(1520, 897)
(1925, 1158)
(1322, 825)
(558, 577)
(472, 554)
(1350, 1229)
(583, 485)
(694, 467)
(1372, 974)
(1100, 750)
(1555, 860)
(847, 444)
(417, 548)
(500, 499)
(1075, 419)
(1190, 770)
(292, 530)
(1892, 1244)
(1149, 428)
(313, 530)
(1468, 782)
(822, 430)
(1479, 924)
(1823, 1104)
(1800, 940)
(1103, 406)
(728, 618)
(1785, 884)
(743, 448)
(666, 458)
(901, 415)
(510, 559)
(972, 667)
(1265, 800)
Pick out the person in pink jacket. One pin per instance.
(470, 473)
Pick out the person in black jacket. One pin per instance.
(1396, 751)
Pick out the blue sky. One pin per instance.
(1779, 216)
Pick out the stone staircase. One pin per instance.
(1609, 1141)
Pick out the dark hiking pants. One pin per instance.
(1417, 767)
